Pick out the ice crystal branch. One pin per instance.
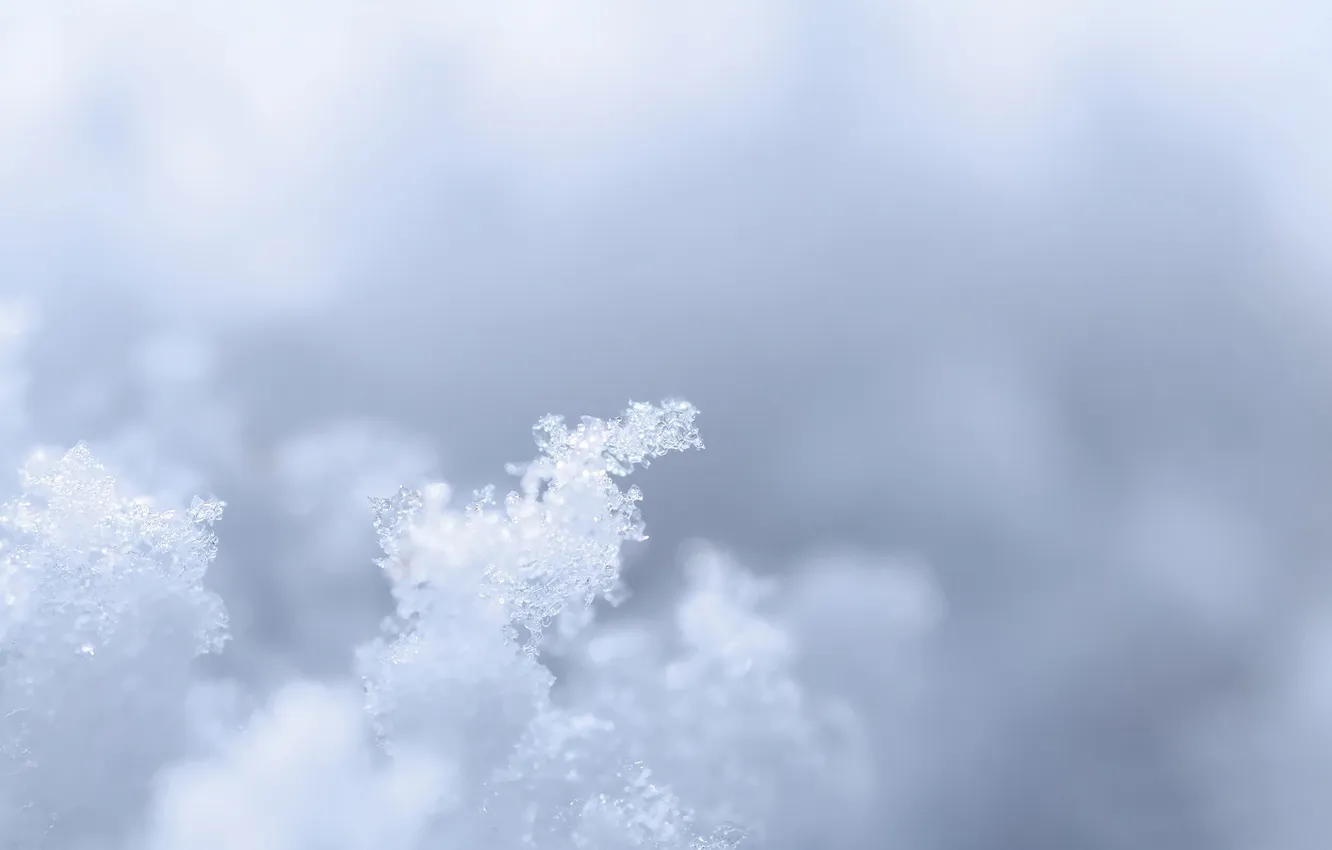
(556, 538)
(460, 675)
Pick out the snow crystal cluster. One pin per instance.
(462, 735)
(461, 676)
(102, 612)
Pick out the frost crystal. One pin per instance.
(556, 539)
(102, 611)
(459, 674)
(691, 738)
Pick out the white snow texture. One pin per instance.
(692, 737)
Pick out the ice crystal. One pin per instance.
(102, 613)
(556, 539)
(460, 672)
(686, 741)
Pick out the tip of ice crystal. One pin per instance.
(206, 511)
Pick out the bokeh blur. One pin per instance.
(1029, 296)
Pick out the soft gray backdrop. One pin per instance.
(1033, 292)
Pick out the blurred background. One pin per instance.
(1031, 294)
